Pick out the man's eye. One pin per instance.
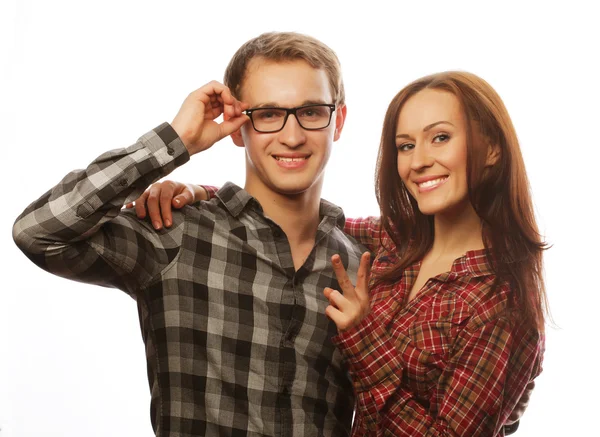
(312, 113)
(267, 115)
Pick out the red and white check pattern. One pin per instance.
(451, 362)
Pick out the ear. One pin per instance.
(236, 136)
(493, 155)
(340, 118)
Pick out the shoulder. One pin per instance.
(339, 240)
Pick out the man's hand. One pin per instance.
(348, 309)
(158, 200)
(194, 123)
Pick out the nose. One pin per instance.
(292, 134)
(421, 158)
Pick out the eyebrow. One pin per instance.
(304, 103)
(426, 128)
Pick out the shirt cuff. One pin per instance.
(370, 352)
(210, 190)
(166, 146)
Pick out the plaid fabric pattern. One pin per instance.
(237, 340)
(453, 361)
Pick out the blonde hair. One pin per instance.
(286, 46)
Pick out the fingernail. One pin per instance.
(177, 201)
(167, 223)
(156, 225)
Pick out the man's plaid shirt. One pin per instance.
(237, 340)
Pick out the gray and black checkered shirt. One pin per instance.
(237, 341)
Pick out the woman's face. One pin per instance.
(431, 139)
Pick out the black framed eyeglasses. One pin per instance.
(273, 119)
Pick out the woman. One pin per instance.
(447, 330)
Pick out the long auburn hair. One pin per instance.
(500, 194)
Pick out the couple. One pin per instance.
(442, 335)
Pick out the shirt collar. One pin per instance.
(236, 199)
(473, 263)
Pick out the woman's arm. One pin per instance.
(486, 374)
(366, 231)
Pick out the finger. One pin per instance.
(339, 301)
(363, 275)
(342, 277)
(225, 94)
(166, 195)
(153, 205)
(335, 315)
(185, 198)
(140, 205)
(188, 194)
(327, 292)
(217, 92)
(129, 205)
(231, 125)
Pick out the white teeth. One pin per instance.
(432, 182)
(280, 158)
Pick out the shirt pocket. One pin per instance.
(431, 336)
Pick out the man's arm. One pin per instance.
(77, 229)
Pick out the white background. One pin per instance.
(82, 77)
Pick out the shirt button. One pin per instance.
(123, 182)
(170, 151)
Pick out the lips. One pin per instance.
(432, 182)
(290, 159)
(426, 184)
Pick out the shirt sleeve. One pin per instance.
(210, 190)
(485, 376)
(366, 231)
(78, 229)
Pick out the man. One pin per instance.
(230, 296)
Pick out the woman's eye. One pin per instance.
(441, 138)
(405, 147)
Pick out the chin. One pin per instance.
(294, 185)
(433, 208)
(291, 190)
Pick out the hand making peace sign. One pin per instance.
(348, 309)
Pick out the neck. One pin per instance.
(457, 233)
(297, 214)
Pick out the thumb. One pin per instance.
(230, 125)
(185, 198)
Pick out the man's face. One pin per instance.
(291, 161)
